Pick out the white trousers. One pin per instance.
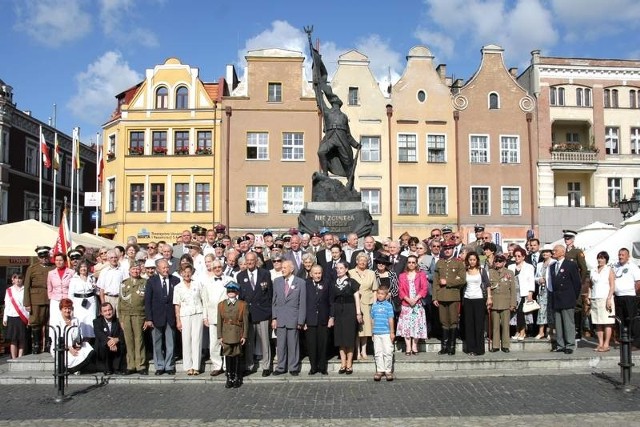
(191, 341)
(383, 353)
(214, 347)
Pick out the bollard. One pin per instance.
(60, 338)
(625, 355)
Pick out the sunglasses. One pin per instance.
(435, 235)
(277, 260)
(102, 253)
(151, 247)
(411, 262)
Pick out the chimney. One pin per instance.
(513, 71)
(535, 56)
(442, 72)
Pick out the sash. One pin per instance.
(19, 308)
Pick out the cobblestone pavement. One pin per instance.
(558, 399)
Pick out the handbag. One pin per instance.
(530, 306)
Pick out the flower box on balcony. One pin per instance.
(203, 151)
(136, 151)
(183, 151)
(111, 156)
(159, 151)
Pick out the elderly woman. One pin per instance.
(388, 278)
(101, 261)
(58, 281)
(82, 289)
(601, 297)
(346, 314)
(79, 351)
(525, 281)
(543, 276)
(308, 260)
(187, 299)
(412, 323)
(367, 284)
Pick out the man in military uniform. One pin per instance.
(501, 300)
(449, 277)
(36, 299)
(476, 245)
(582, 304)
(233, 330)
(131, 313)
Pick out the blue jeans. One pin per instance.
(159, 334)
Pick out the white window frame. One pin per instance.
(612, 140)
(292, 146)
(614, 185)
(636, 188)
(31, 158)
(293, 196)
(417, 200)
(259, 196)
(354, 96)
(111, 195)
(406, 142)
(506, 153)
(111, 146)
(557, 96)
(369, 153)
(372, 198)
(634, 139)
(489, 100)
(185, 205)
(31, 205)
(488, 188)
(276, 88)
(504, 206)
(446, 200)
(259, 141)
(477, 151)
(434, 145)
(202, 203)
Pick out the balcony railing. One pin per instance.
(574, 156)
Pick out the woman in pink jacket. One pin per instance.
(412, 324)
(58, 286)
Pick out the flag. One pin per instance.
(56, 153)
(46, 159)
(76, 149)
(100, 163)
(63, 241)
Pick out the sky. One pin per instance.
(79, 54)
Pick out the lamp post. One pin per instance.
(628, 208)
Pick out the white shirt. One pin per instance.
(110, 280)
(213, 291)
(473, 290)
(626, 276)
(600, 282)
(18, 296)
(189, 299)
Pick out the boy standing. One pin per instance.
(233, 329)
(383, 335)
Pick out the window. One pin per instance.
(137, 198)
(204, 142)
(479, 200)
(257, 146)
(479, 149)
(509, 149)
(635, 140)
(371, 196)
(4, 206)
(494, 101)
(182, 197)
(31, 210)
(31, 159)
(181, 142)
(407, 148)
(583, 97)
(293, 146)
(437, 200)
(292, 199)
(68, 170)
(572, 138)
(111, 150)
(370, 151)
(136, 142)
(611, 98)
(636, 188)
(574, 194)
(611, 140)
(614, 189)
(202, 197)
(634, 98)
(182, 98)
(5, 146)
(111, 195)
(157, 197)
(408, 200)
(257, 199)
(353, 96)
(422, 96)
(159, 142)
(556, 96)
(275, 92)
(162, 98)
(510, 200)
(436, 145)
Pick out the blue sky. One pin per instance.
(79, 54)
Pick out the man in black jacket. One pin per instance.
(110, 349)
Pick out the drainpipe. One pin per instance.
(228, 111)
(389, 114)
(456, 120)
(532, 181)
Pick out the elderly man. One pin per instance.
(131, 308)
(295, 253)
(398, 262)
(109, 281)
(565, 287)
(213, 291)
(167, 254)
(181, 248)
(627, 285)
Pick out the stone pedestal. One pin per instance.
(339, 217)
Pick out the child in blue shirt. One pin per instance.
(383, 334)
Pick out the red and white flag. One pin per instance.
(63, 241)
(46, 159)
(100, 163)
(56, 153)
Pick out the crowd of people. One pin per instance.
(209, 295)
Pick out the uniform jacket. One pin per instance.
(317, 303)
(131, 299)
(35, 285)
(455, 272)
(577, 255)
(566, 284)
(289, 309)
(231, 325)
(421, 283)
(58, 288)
(158, 307)
(259, 300)
(503, 288)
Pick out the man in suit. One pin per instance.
(109, 347)
(398, 262)
(167, 254)
(351, 248)
(161, 316)
(317, 321)
(257, 290)
(289, 311)
(181, 248)
(323, 257)
(369, 249)
(295, 253)
(565, 289)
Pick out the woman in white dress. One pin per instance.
(79, 351)
(601, 297)
(82, 292)
(187, 299)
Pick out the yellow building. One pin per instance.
(161, 155)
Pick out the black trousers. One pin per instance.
(474, 314)
(520, 320)
(316, 340)
(110, 360)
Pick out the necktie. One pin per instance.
(334, 265)
(164, 286)
(297, 256)
(534, 259)
(217, 278)
(252, 280)
(287, 287)
(370, 262)
(557, 267)
(393, 259)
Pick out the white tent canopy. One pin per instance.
(20, 239)
(626, 237)
(590, 235)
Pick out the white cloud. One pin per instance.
(118, 22)
(436, 42)
(53, 22)
(595, 18)
(96, 87)
(281, 35)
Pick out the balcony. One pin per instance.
(573, 156)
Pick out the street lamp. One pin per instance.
(629, 208)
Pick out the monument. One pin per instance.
(334, 205)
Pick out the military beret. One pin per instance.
(219, 245)
(220, 228)
(500, 258)
(323, 231)
(315, 234)
(448, 244)
(293, 231)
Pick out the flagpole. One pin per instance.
(73, 157)
(56, 165)
(98, 181)
(77, 166)
(40, 137)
